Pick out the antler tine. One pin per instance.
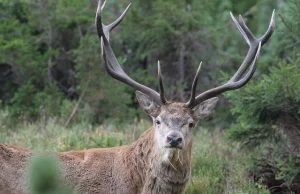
(268, 33)
(119, 20)
(161, 87)
(240, 28)
(194, 87)
(103, 29)
(229, 85)
(270, 30)
(252, 42)
(110, 61)
(98, 20)
(103, 5)
(254, 50)
(246, 30)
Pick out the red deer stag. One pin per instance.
(159, 162)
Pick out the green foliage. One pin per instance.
(218, 168)
(44, 176)
(48, 100)
(288, 168)
(102, 89)
(23, 100)
(36, 36)
(268, 111)
(179, 40)
(260, 105)
(45, 133)
(29, 103)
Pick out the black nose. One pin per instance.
(174, 140)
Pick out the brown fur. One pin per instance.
(12, 167)
(133, 169)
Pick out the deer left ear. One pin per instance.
(204, 110)
(147, 104)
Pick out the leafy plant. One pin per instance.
(44, 176)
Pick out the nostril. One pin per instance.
(179, 140)
(169, 139)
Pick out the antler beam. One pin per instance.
(239, 79)
(252, 56)
(111, 63)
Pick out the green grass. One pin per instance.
(50, 135)
(217, 167)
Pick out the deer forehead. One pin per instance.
(175, 114)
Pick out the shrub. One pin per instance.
(44, 176)
(269, 124)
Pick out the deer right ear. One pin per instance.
(147, 104)
(204, 110)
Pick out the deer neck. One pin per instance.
(158, 169)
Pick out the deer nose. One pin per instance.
(174, 140)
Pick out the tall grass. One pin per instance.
(217, 167)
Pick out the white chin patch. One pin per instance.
(169, 154)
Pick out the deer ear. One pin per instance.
(147, 104)
(203, 110)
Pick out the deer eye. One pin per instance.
(191, 125)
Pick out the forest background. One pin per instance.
(54, 90)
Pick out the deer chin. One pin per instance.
(171, 155)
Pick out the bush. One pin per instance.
(269, 124)
(260, 106)
(44, 176)
(268, 113)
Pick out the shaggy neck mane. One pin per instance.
(156, 174)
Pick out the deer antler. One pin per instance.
(252, 56)
(113, 68)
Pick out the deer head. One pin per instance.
(173, 121)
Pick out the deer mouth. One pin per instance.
(174, 147)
